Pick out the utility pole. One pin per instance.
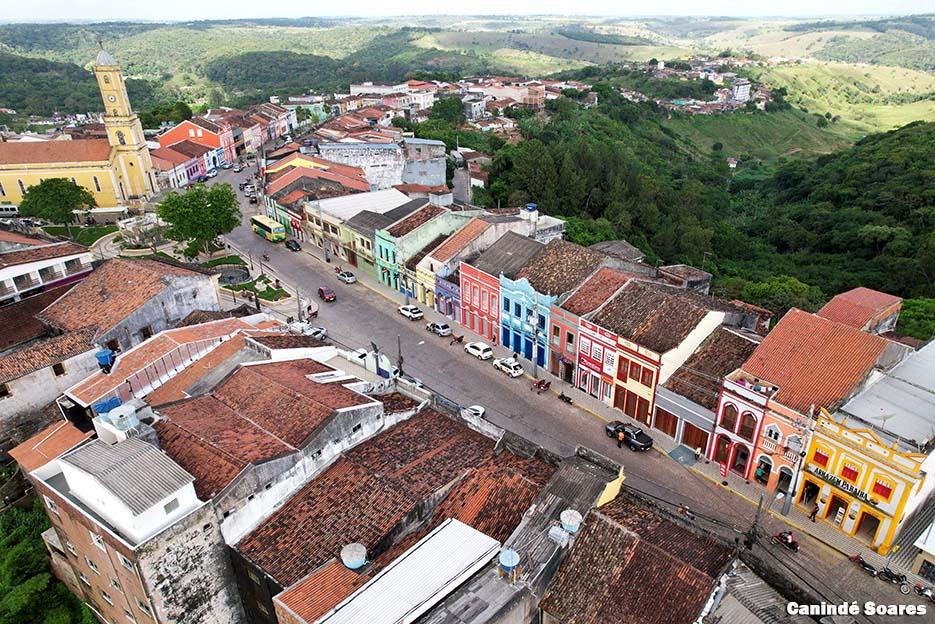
(298, 304)
(324, 240)
(751, 534)
(399, 352)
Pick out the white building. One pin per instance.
(366, 88)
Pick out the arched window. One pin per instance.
(764, 465)
(741, 459)
(729, 417)
(121, 139)
(747, 426)
(721, 449)
(773, 433)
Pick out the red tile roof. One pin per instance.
(311, 173)
(27, 152)
(560, 267)
(174, 389)
(858, 307)
(596, 290)
(417, 219)
(18, 320)
(460, 239)
(322, 590)
(420, 188)
(139, 357)
(170, 155)
(628, 544)
(365, 494)
(111, 293)
(278, 398)
(38, 355)
(40, 252)
(190, 148)
(288, 341)
(19, 239)
(50, 443)
(814, 361)
(724, 351)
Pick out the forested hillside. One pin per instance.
(43, 87)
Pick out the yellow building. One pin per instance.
(864, 484)
(117, 170)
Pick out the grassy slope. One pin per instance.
(855, 92)
(761, 136)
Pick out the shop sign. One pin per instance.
(838, 482)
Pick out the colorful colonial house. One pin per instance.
(870, 465)
(767, 407)
(216, 135)
(527, 297)
(480, 282)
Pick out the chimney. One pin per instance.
(442, 199)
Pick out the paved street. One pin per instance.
(360, 315)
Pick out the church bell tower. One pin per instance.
(133, 167)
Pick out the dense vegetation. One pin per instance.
(28, 591)
(41, 87)
(580, 33)
(667, 88)
(921, 25)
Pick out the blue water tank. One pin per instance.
(354, 556)
(532, 207)
(508, 559)
(105, 358)
(102, 407)
(571, 520)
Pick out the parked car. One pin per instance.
(293, 245)
(477, 411)
(633, 436)
(411, 312)
(253, 199)
(347, 277)
(304, 328)
(439, 329)
(326, 293)
(211, 174)
(249, 188)
(509, 366)
(480, 350)
(226, 166)
(238, 168)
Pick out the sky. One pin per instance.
(183, 10)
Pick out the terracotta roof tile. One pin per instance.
(170, 155)
(414, 260)
(396, 402)
(139, 357)
(415, 220)
(628, 544)
(322, 590)
(18, 322)
(50, 443)
(111, 293)
(174, 389)
(559, 267)
(288, 341)
(858, 307)
(38, 355)
(26, 152)
(699, 378)
(814, 361)
(190, 148)
(40, 252)
(596, 290)
(655, 316)
(460, 239)
(15, 237)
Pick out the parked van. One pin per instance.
(9, 210)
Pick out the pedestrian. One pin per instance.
(814, 513)
(515, 355)
(620, 437)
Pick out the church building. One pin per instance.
(117, 170)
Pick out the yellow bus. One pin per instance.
(267, 228)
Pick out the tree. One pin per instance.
(717, 147)
(917, 318)
(199, 215)
(55, 200)
(778, 294)
(450, 109)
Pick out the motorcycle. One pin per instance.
(537, 384)
(265, 256)
(786, 539)
(458, 339)
(896, 579)
(926, 592)
(544, 387)
(859, 560)
(564, 397)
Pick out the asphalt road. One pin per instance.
(361, 315)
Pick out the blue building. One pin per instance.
(527, 296)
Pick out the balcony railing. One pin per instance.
(51, 276)
(24, 283)
(6, 290)
(77, 268)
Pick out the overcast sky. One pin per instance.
(47, 10)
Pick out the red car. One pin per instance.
(326, 293)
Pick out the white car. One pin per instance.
(439, 329)
(211, 174)
(238, 168)
(477, 411)
(248, 189)
(480, 350)
(411, 312)
(318, 333)
(347, 277)
(509, 366)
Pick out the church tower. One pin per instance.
(133, 167)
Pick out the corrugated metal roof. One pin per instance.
(419, 578)
(136, 472)
(348, 206)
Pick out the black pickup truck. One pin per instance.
(633, 436)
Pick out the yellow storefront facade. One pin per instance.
(863, 486)
(117, 171)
